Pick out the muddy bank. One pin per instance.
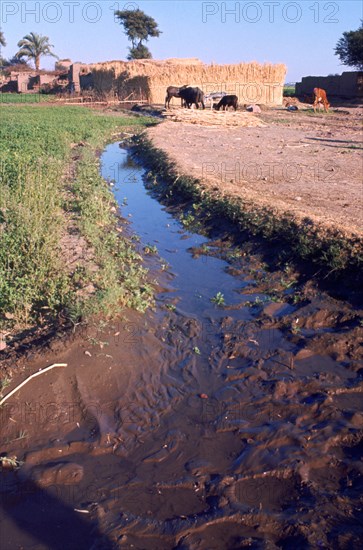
(229, 416)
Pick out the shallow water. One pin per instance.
(195, 281)
(204, 427)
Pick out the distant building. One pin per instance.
(28, 81)
(24, 80)
(348, 85)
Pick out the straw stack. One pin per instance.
(148, 79)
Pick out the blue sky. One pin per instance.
(301, 34)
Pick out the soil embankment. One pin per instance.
(310, 165)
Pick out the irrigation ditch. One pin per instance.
(227, 415)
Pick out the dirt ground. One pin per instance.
(300, 162)
(141, 443)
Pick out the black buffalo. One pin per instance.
(228, 101)
(173, 91)
(192, 95)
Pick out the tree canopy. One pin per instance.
(2, 39)
(138, 27)
(33, 46)
(140, 52)
(15, 61)
(349, 48)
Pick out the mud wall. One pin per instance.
(27, 81)
(348, 85)
(86, 81)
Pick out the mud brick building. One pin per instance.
(348, 85)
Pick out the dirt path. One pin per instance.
(309, 165)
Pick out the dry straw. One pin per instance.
(214, 119)
(148, 79)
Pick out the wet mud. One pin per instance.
(229, 416)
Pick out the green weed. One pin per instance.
(218, 299)
(150, 249)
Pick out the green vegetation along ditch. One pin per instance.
(51, 193)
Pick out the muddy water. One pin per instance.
(201, 425)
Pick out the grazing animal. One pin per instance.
(173, 91)
(228, 101)
(192, 95)
(320, 98)
(214, 97)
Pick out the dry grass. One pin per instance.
(215, 119)
(148, 79)
(149, 66)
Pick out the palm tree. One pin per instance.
(2, 39)
(34, 46)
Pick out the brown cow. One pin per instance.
(320, 98)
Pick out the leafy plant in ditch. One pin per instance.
(218, 299)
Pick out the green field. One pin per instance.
(25, 98)
(289, 91)
(46, 186)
